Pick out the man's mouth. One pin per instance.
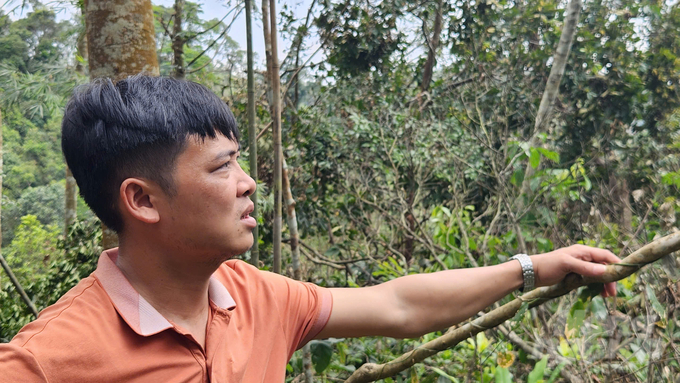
(246, 214)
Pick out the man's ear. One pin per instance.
(137, 197)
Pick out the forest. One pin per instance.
(389, 138)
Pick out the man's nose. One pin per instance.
(248, 186)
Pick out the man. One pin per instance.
(156, 160)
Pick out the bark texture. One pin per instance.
(647, 254)
(433, 44)
(70, 201)
(269, 26)
(121, 38)
(252, 133)
(71, 188)
(120, 42)
(295, 257)
(178, 70)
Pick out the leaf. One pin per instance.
(536, 375)
(575, 319)
(534, 158)
(549, 154)
(332, 252)
(556, 372)
(503, 375)
(482, 342)
(586, 183)
(322, 351)
(656, 305)
(505, 359)
(444, 374)
(520, 313)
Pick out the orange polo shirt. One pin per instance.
(102, 330)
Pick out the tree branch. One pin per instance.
(647, 254)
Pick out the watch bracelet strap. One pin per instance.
(527, 272)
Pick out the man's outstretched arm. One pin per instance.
(414, 305)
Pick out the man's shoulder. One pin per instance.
(74, 319)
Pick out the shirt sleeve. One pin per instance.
(305, 308)
(19, 365)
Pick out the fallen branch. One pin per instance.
(647, 254)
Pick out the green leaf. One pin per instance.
(332, 252)
(656, 305)
(444, 374)
(575, 319)
(549, 154)
(322, 351)
(586, 183)
(556, 372)
(520, 313)
(503, 375)
(534, 158)
(536, 375)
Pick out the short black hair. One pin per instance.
(135, 127)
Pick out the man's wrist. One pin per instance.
(528, 275)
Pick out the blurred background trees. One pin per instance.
(408, 129)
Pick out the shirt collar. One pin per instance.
(133, 308)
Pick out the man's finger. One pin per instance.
(586, 268)
(610, 288)
(601, 255)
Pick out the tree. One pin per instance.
(120, 42)
(252, 134)
(270, 37)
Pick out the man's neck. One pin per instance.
(178, 292)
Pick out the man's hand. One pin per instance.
(550, 268)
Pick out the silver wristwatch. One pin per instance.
(527, 272)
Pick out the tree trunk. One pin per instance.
(70, 201)
(252, 133)
(295, 255)
(552, 87)
(178, 70)
(269, 12)
(121, 38)
(433, 44)
(71, 188)
(121, 42)
(3, 263)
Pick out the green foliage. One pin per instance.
(32, 248)
(74, 258)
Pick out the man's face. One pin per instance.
(209, 213)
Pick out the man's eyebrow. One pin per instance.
(225, 154)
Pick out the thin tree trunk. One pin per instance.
(70, 201)
(252, 133)
(121, 42)
(178, 70)
(433, 44)
(647, 254)
(269, 11)
(71, 188)
(3, 263)
(295, 255)
(552, 87)
(292, 222)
